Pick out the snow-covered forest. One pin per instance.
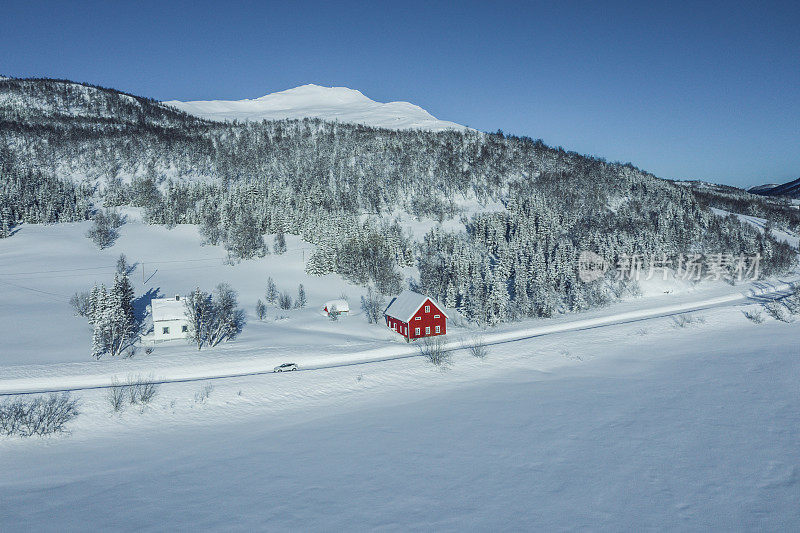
(508, 215)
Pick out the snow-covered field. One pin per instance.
(43, 265)
(613, 419)
(313, 101)
(629, 427)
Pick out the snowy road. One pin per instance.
(31, 384)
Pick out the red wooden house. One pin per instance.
(414, 315)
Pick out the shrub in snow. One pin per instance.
(203, 394)
(754, 316)
(38, 415)
(776, 311)
(116, 395)
(333, 313)
(433, 349)
(80, 303)
(792, 301)
(141, 390)
(373, 305)
(687, 319)
(477, 348)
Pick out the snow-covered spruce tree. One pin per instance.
(210, 220)
(5, 223)
(99, 321)
(285, 300)
(94, 304)
(322, 261)
(113, 319)
(261, 310)
(271, 293)
(301, 300)
(280, 242)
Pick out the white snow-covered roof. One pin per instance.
(407, 304)
(167, 309)
(341, 305)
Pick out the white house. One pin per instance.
(169, 318)
(342, 307)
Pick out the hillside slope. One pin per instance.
(313, 101)
(505, 217)
(790, 189)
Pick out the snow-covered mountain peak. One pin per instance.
(315, 101)
(319, 94)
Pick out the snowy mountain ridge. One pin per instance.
(314, 101)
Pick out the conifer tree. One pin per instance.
(280, 242)
(272, 291)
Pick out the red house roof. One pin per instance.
(406, 305)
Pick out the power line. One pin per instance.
(60, 297)
(108, 267)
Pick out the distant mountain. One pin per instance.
(790, 189)
(313, 101)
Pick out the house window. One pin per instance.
(165, 331)
(438, 329)
(185, 329)
(416, 331)
(427, 330)
(436, 316)
(418, 318)
(427, 308)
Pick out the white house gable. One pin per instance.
(169, 318)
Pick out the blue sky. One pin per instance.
(696, 90)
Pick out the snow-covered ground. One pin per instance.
(46, 347)
(41, 266)
(635, 426)
(612, 419)
(779, 233)
(313, 101)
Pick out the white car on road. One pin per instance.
(285, 367)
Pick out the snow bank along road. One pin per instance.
(757, 292)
